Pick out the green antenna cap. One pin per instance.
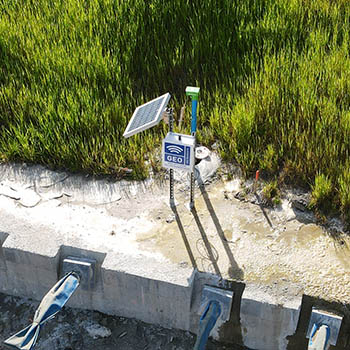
(193, 92)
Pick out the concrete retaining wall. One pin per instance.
(157, 293)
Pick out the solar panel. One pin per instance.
(147, 115)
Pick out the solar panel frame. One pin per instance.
(147, 115)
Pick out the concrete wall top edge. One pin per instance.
(27, 236)
(287, 296)
(148, 268)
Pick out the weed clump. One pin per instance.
(344, 192)
(271, 194)
(321, 195)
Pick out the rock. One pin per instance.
(241, 195)
(206, 169)
(95, 330)
(300, 202)
(183, 264)
(170, 219)
(233, 185)
(51, 195)
(29, 198)
(215, 146)
(7, 191)
(227, 195)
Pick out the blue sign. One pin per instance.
(178, 151)
(177, 154)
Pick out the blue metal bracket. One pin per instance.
(84, 267)
(323, 326)
(50, 305)
(319, 337)
(207, 323)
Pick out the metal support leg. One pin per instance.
(192, 192)
(171, 173)
(172, 198)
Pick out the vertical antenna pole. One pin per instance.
(171, 172)
(194, 115)
(193, 92)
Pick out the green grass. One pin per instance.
(274, 78)
(321, 196)
(271, 194)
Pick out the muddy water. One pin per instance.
(244, 241)
(301, 236)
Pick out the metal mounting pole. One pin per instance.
(171, 173)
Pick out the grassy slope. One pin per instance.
(274, 78)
